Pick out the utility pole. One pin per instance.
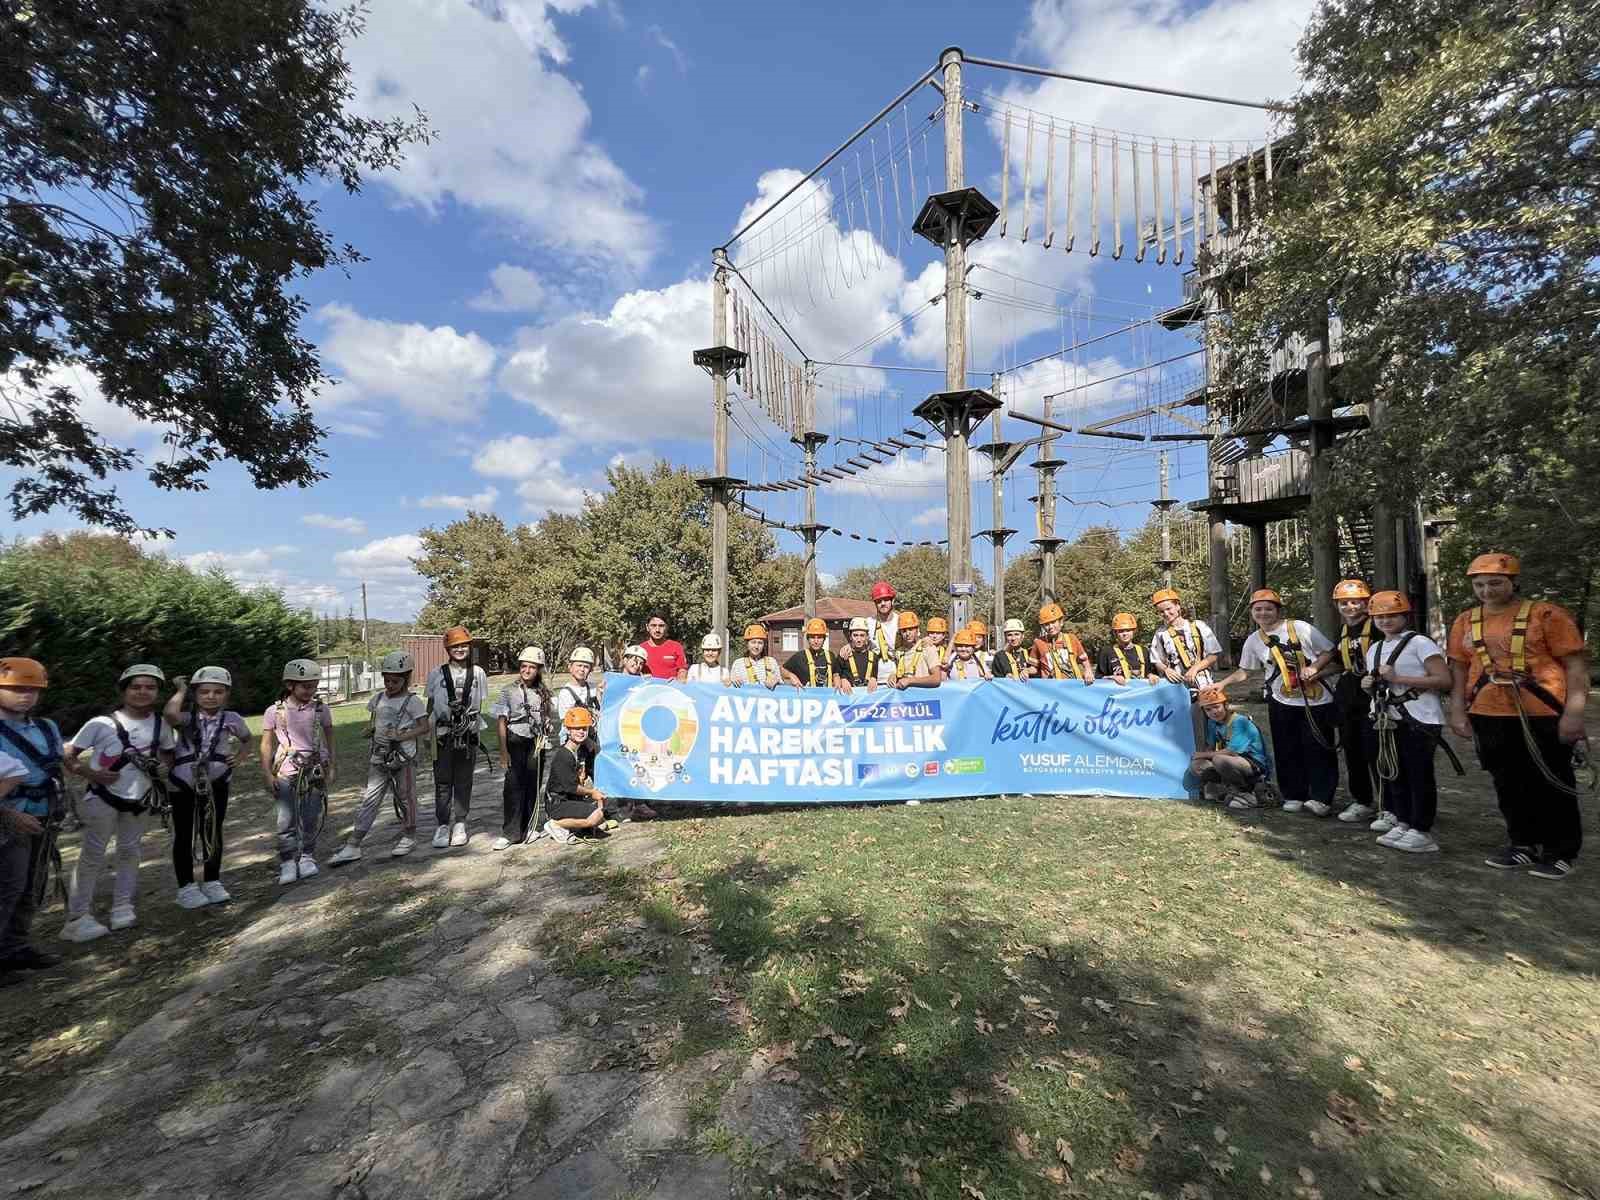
(719, 360)
(808, 440)
(1047, 465)
(1001, 455)
(366, 627)
(1164, 504)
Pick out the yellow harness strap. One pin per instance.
(1519, 639)
(1122, 661)
(1185, 656)
(1308, 691)
(1345, 643)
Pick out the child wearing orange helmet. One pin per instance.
(1356, 636)
(455, 692)
(31, 765)
(1236, 759)
(572, 803)
(1058, 655)
(1519, 682)
(815, 665)
(916, 664)
(755, 668)
(1123, 659)
(1404, 673)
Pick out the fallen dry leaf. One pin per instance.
(1022, 1143)
(1518, 959)
(1064, 1151)
(1128, 1159)
(1220, 1134)
(1266, 1176)
(1353, 1063)
(1307, 1176)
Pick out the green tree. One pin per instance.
(921, 579)
(1445, 206)
(156, 218)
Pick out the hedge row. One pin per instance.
(87, 621)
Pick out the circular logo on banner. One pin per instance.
(658, 727)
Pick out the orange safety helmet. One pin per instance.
(456, 635)
(578, 717)
(977, 627)
(816, 626)
(1266, 594)
(1213, 695)
(1389, 604)
(1494, 564)
(1165, 594)
(966, 638)
(1050, 612)
(882, 591)
(909, 620)
(938, 625)
(1351, 589)
(751, 632)
(1124, 621)
(23, 672)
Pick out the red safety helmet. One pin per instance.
(882, 591)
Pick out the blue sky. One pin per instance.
(540, 274)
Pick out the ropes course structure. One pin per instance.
(1127, 384)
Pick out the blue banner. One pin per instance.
(700, 742)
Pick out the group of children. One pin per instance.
(1515, 671)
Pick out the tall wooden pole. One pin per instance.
(366, 629)
(1324, 530)
(1047, 512)
(958, 482)
(997, 478)
(719, 452)
(809, 400)
(1166, 525)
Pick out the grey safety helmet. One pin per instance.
(211, 675)
(397, 662)
(582, 655)
(302, 670)
(139, 669)
(532, 654)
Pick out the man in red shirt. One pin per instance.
(664, 658)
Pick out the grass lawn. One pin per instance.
(1029, 997)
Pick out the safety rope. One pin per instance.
(1580, 758)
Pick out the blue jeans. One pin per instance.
(297, 837)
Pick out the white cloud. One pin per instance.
(539, 467)
(477, 502)
(386, 559)
(111, 421)
(641, 77)
(427, 372)
(338, 524)
(512, 289)
(239, 565)
(671, 47)
(935, 516)
(480, 88)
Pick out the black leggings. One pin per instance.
(521, 787)
(183, 806)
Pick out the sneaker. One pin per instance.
(190, 896)
(565, 836)
(83, 929)
(347, 853)
(1212, 791)
(215, 892)
(1554, 868)
(1317, 808)
(403, 847)
(1512, 857)
(287, 872)
(458, 834)
(123, 916)
(1383, 824)
(1243, 801)
(1399, 831)
(308, 866)
(1292, 806)
(1357, 812)
(501, 843)
(441, 837)
(533, 836)
(30, 958)
(1415, 841)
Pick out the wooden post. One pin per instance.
(1047, 513)
(1324, 531)
(366, 631)
(997, 477)
(1217, 528)
(809, 444)
(958, 483)
(1258, 556)
(1166, 525)
(719, 452)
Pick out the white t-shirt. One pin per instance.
(1198, 642)
(395, 712)
(571, 692)
(439, 696)
(99, 734)
(1257, 655)
(757, 672)
(1427, 707)
(701, 673)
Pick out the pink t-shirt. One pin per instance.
(666, 660)
(295, 732)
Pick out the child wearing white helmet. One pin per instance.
(1012, 660)
(633, 660)
(709, 669)
(210, 737)
(298, 762)
(396, 717)
(126, 757)
(525, 715)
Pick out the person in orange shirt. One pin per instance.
(1058, 655)
(1519, 681)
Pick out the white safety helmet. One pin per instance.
(1014, 626)
(139, 669)
(211, 675)
(711, 642)
(397, 662)
(860, 623)
(635, 652)
(582, 655)
(532, 654)
(302, 670)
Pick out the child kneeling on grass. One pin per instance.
(1238, 758)
(572, 802)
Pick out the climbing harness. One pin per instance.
(1293, 683)
(1014, 669)
(1122, 661)
(461, 717)
(1064, 656)
(48, 854)
(148, 763)
(811, 668)
(1516, 681)
(207, 833)
(1389, 713)
(853, 671)
(310, 775)
(1346, 646)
